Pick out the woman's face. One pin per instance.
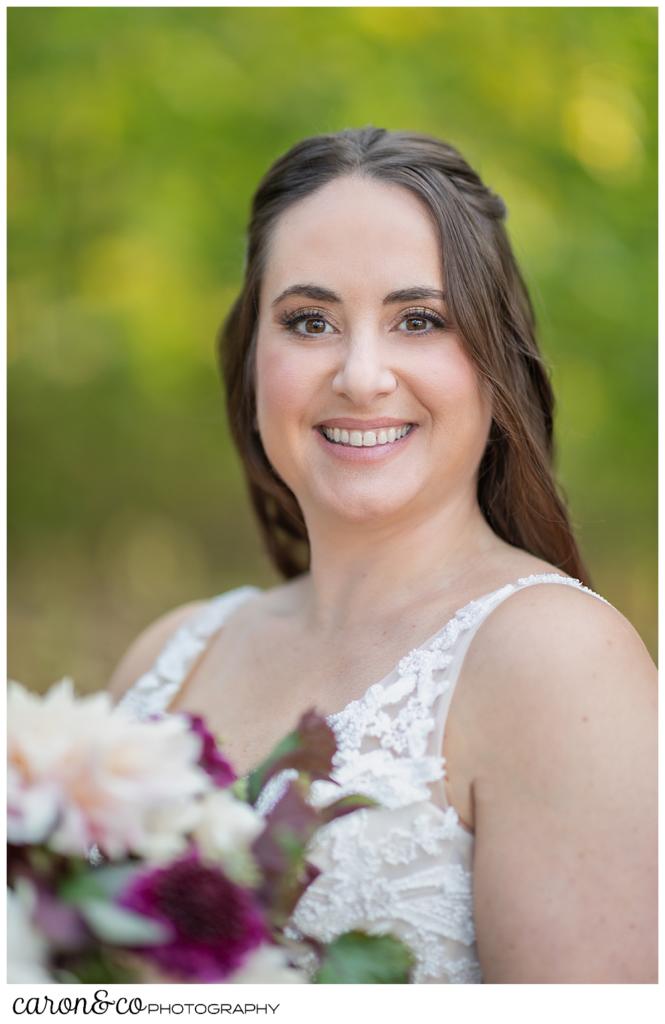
(342, 345)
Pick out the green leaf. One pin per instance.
(356, 958)
(99, 965)
(122, 927)
(240, 789)
(309, 749)
(258, 778)
(98, 883)
(345, 805)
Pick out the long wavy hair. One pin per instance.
(489, 305)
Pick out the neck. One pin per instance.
(360, 574)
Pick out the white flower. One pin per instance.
(226, 824)
(226, 829)
(268, 965)
(125, 784)
(166, 827)
(27, 950)
(32, 810)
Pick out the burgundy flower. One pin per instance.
(212, 760)
(214, 923)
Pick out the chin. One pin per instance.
(362, 507)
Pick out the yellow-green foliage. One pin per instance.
(137, 136)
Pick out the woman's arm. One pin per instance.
(565, 797)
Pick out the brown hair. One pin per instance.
(489, 306)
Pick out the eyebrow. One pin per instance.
(320, 294)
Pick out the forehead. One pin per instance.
(355, 234)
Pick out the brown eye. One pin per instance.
(419, 321)
(314, 325)
(422, 322)
(307, 323)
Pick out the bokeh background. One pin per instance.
(136, 139)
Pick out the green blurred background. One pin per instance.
(136, 139)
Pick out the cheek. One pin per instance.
(281, 382)
(456, 387)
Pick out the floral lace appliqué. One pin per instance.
(404, 867)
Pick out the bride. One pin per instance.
(390, 405)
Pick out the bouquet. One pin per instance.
(136, 854)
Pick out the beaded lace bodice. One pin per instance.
(405, 867)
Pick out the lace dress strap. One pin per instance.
(152, 692)
(468, 620)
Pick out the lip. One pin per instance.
(349, 424)
(373, 453)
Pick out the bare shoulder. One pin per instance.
(145, 649)
(565, 793)
(551, 655)
(555, 627)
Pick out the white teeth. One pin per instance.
(367, 438)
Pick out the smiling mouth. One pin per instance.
(381, 437)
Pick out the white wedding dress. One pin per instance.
(406, 867)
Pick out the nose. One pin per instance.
(364, 373)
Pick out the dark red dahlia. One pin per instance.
(214, 922)
(212, 760)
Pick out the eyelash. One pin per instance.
(290, 320)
